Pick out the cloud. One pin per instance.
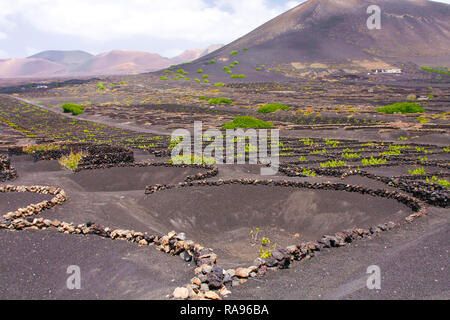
(107, 20)
(3, 35)
(3, 54)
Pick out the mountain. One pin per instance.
(191, 55)
(324, 34)
(59, 63)
(121, 62)
(30, 67)
(69, 58)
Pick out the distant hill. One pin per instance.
(122, 62)
(26, 67)
(64, 57)
(327, 34)
(58, 63)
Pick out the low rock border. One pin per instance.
(212, 281)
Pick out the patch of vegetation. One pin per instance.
(258, 68)
(237, 76)
(333, 164)
(212, 61)
(309, 173)
(71, 161)
(219, 84)
(73, 108)
(417, 172)
(373, 161)
(302, 159)
(351, 155)
(199, 71)
(205, 76)
(41, 147)
(441, 182)
(436, 70)
(163, 78)
(220, 101)
(402, 138)
(391, 153)
(100, 86)
(402, 107)
(323, 151)
(247, 122)
(423, 120)
(234, 52)
(273, 107)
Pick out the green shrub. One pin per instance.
(199, 71)
(351, 155)
(237, 76)
(226, 68)
(402, 107)
(73, 108)
(163, 78)
(71, 161)
(191, 159)
(205, 76)
(220, 101)
(373, 161)
(444, 183)
(333, 164)
(310, 173)
(235, 62)
(212, 61)
(234, 52)
(258, 68)
(205, 81)
(203, 98)
(100, 86)
(41, 147)
(245, 49)
(247, 122)
(417, 172)
(436, 70)
(272, 107)
(219, 84)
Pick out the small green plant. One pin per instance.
(417, 172)
(220, 101)
(219, 84)
(245, 49)
(73, 108)
(441, 182)
(391, 153)
(402, 138)
(423, 120)
(402, 107)
(446, 149)
(100, 86)
(258, 68)
(205, 76)
(226, 68)
(322, 151)
(333, 164)
(234, 52)
(199, 71)
(373, 161)
(273, 107)
(71, 161)
(237, 76)
(247, 122)
(41, 147)
(309, 173)
(163, 78)
(436, 70)
(351, 155)
(302, 159)
(212, 61)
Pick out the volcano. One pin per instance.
(324, 34)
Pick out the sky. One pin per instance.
(167, 27)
